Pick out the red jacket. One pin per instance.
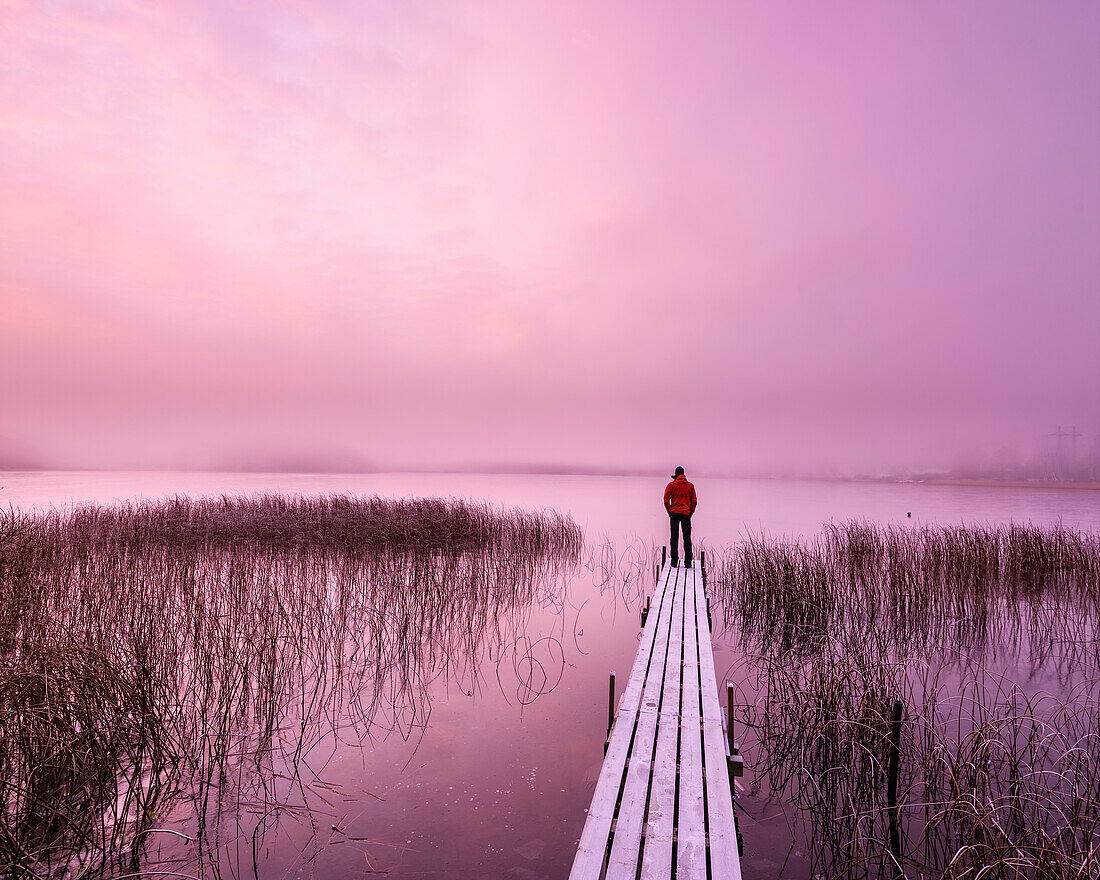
(680, 496)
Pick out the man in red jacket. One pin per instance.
(680, 503)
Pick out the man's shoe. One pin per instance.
(675, 563)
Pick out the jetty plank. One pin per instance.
(725, 859)
(691, 849)
(625, 848)
(661, 821)
(596, 836)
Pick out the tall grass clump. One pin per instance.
(987, 638)
(186, 654)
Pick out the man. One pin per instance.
(680, 503)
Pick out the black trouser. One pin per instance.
(683, 521)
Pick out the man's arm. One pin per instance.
(694, 498)
(668, 498)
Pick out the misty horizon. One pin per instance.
(1047, 462)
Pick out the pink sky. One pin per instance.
(727, 235)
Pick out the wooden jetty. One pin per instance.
(663, 806)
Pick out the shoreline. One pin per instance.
(1012, 484)
(982, 482)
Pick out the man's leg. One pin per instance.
(686, 524)
(674, 538)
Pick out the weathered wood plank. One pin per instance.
(592, 849)
(724, 858)
(626, 846)
(657, 853)
(691, 850)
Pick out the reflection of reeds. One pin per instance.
(147, 651)
(997, 777)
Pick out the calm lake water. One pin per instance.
(496, 781)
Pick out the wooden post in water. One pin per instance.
(892, 768)
(664, 553)
(729, 718)
(736, 762)
(610, 710)
(645, 610)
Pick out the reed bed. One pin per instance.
(963, 585)
(189, 652)
(985, 638)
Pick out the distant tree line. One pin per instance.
(1063, 457)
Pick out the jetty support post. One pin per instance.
(645, 610)
(610, 710)
(736, 762)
